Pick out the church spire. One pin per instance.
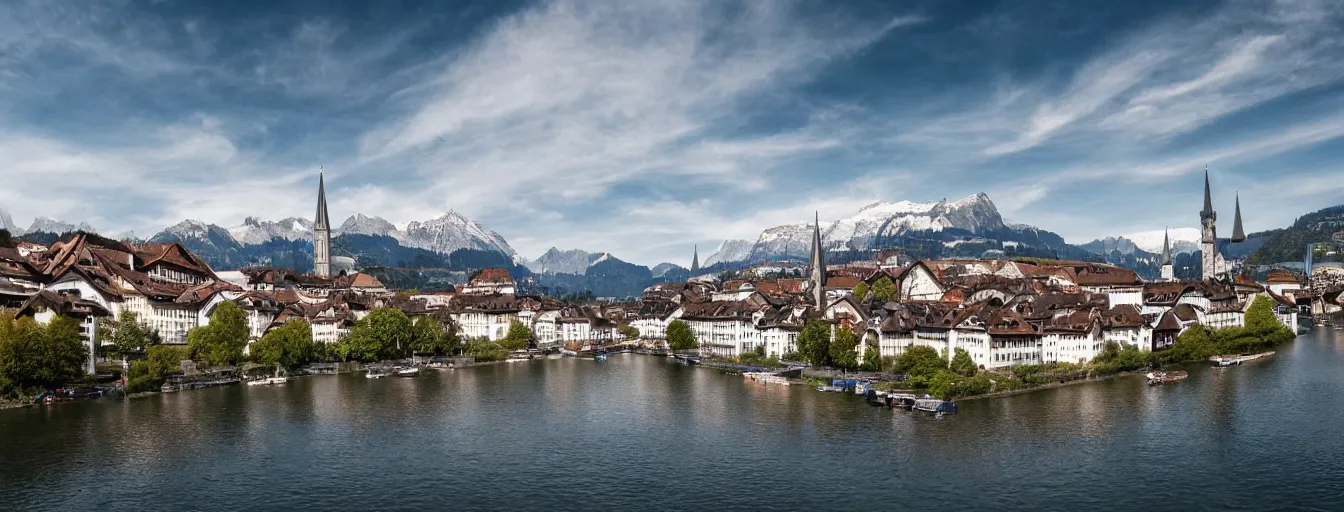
(818, 265)
(695, 260)
(1207, 212)
(321, 230)
(321, 222)
(1166, 247)
(1238, 235)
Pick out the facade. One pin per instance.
(321, 232)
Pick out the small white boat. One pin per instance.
(258, 382)
(374, 374)
(407, 372)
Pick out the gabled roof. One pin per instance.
(64, 304)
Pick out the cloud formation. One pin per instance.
(641, 128)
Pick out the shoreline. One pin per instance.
(1052, 385)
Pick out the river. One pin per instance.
(640, 433)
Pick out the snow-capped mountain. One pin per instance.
(254, 231)
(873, 227)
(197, 233)
(555, 261)
(50, 225)
(731, 250)
(663, 268)
(7, 224)
(360, 224)
(1183, 241)
(452, 232)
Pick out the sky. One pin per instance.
(645, 127)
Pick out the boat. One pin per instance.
(831, 389)
(936, 407)
(903, 401)
(861, 387)
(1222, 361)
(519, 355)
(375, 373)
(568, 352)
(1155, 378)
(600, 355)
(410, 371)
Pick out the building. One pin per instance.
(490, 281)
(321, 232)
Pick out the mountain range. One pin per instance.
(971, 227)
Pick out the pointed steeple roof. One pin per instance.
(321, 222)
(818, 263)
(695, 259)
(1166, 248)
(1208, 197)
(1238, 235)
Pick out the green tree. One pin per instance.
(428, 336)
(129, 334)
(920, 364)
(1261, 322)
(34, 356)
(220, 342)
(860, 290)
(680, 336)
(885, 290)
(517, 338)
(384, 334)
(843, 350)
(629, 332)
(290, 345)
(872, 359)
(962, 363)
(814, 343)
(485, 350)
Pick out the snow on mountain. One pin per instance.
(1183, 240)
(360, 224)
(872, 225)
(451, 232)
(50, 225)
(197, 236)
(730, 251)
(603, 257)
(254, 231)
(555, 261)
(663, 268)
(7, 223)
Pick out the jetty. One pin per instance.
(1231, 360)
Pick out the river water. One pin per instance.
(640, 433)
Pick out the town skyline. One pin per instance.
(549, 122)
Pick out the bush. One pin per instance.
(962, 363)
(920, 365)
(486, 351)
(749, 358)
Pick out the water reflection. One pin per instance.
(570, 433)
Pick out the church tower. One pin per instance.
(695, 260)
(1238, 234)
(321, 232)
(1208, 243)
(1168, 271)
(818, 266)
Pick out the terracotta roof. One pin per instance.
(1281, 277)
(491, 277)
(362, 280)
(1124, 315)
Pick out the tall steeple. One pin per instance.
(818, 266)
(321, 230)
(1238, 235)
(1167, 269)
(1208, 243)
(695, 260)
(1166, 247)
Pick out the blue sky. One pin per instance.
(644, 127)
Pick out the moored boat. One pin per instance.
(410, 371)
(935, 407)
(1155, 378)
(375, 373)
(600, 355)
